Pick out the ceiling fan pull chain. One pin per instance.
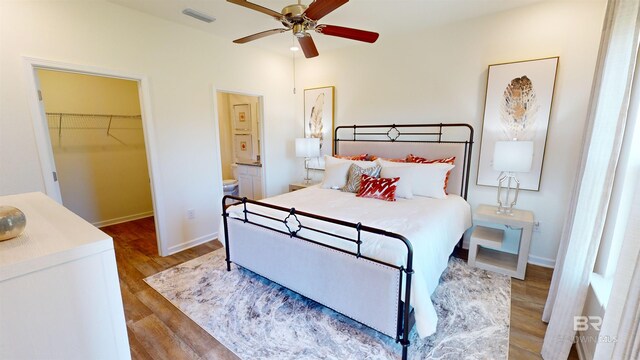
(293, 55)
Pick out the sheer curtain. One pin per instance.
(608, 117)
(622, 317)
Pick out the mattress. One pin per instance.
(433, 226)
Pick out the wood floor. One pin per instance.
(157, 330)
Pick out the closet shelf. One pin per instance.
(57, 122)
(93, 121)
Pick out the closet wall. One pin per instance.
(98, 145)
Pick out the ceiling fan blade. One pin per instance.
(319, 8)
(259, 35)
(349, 33)
(308, 46)
(257, 7)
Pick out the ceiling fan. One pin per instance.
(301, 19)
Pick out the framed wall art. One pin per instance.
(517, 107)
(243, 147)
(242, 117)
(319, 120)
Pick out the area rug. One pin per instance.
(258, 319)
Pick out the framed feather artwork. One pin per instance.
(319, 120)
(517, 107)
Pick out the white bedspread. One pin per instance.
(433, 226)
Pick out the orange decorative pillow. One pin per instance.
(420, 160)
(378, 188)
(361, 157)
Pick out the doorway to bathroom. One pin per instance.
(240, 128)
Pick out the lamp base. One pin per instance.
(307, 179)
(505, 205)
(504, 211)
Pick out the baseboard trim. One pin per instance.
(122, 219)
(540, 261)
(191, 243)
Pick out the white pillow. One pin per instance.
(335, 175)
(330, 160)
(386, 163)
(430, 179)
(404, 185)
(426, 179)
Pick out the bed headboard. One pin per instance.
(433, 141)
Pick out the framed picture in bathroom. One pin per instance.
(243, 148)
(242, 117)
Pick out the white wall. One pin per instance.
(183, 66)
(103, 177)
(439, 75)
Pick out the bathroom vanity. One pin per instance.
(250, 180)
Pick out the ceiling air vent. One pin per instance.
(198, 15)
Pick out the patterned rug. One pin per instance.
(258, 319)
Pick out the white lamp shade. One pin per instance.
(513, 156)
(308, 147)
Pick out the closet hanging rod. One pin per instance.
(94, 115)
(75, 121)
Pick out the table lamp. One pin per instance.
(307, 148)
(510, 157)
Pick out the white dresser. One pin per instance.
(59, 289)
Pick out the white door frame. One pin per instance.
(216, 120)
(43, 142)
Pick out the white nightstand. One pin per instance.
(486, 242)
(298, 186)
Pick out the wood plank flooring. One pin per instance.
(158, 330)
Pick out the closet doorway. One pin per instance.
(240, 129)
(98, 145)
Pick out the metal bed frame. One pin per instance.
(393, 133)
(405, 320)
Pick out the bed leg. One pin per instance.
(225, 215)
(405, 350)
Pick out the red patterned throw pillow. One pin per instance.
(361, 157)
(420, 160)
(378, 188)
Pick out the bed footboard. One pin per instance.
(367, 290)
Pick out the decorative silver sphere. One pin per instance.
(12, 222)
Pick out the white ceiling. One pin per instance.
(387, 17)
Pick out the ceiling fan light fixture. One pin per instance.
(198, 15)
(294, 48)
(298, 31)
(302, 20)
